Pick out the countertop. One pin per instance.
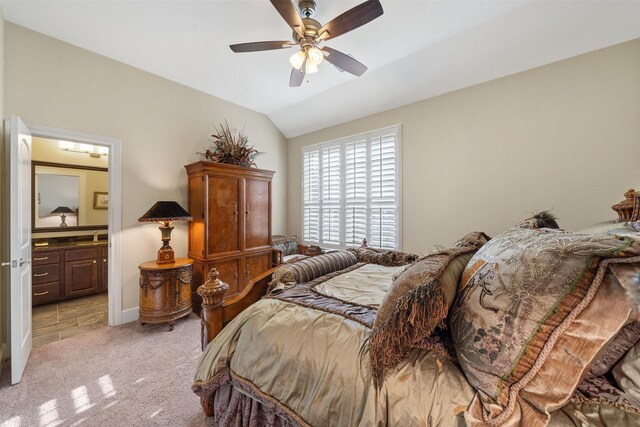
(67, 245)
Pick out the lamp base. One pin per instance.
(165, 255)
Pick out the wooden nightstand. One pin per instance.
(165, 291)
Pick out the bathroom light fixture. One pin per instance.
(95, 151)
(164, 212)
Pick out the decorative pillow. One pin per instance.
(417, 302)
(293, 258)
(612, 227)
(544, 219)
(628, 277)
(287, 275)
(384, 257)
(628, 336)
(532, 313)
(287, 244)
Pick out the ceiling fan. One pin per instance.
(309, 33)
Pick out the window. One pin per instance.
(351, 191)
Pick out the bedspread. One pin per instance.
(308, 362)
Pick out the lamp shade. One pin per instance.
(165, 211)
(63, 210)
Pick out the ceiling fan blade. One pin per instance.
(297, 76)
(258, 46)
(344, 61)
(351, 19)
(288, 11)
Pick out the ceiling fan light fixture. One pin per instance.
(297, 59)
(311, 68)
(307, 33)
(315, 55)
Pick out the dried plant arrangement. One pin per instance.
(230, 147)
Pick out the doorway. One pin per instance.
(70, 189)
(105, 153)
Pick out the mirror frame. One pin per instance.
(33, 202)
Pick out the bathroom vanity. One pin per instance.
(69, 269)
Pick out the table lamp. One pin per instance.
(63, 211)
(165, 212)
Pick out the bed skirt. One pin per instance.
(239, 405)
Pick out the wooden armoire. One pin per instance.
(231, 227)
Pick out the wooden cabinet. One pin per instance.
(69, 272)
(165, 291)
(231, 227)
(45, 284)
(81, 272)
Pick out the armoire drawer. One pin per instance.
(45, 293)
(46, 273)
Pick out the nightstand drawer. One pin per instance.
(46, 273)
(47, 292)
(41, 258)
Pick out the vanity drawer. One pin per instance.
(41, 258)
(81, 254)
(45, 293)
(45, 273)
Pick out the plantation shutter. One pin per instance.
(311, 202)
(351, 191)
(383, 192)
(331, 195)
(356, 192)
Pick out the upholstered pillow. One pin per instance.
(531, 315)
(287, 244)
(287, 275)
(384, 257)
(613, 227)
(628, 336)
(417, 302)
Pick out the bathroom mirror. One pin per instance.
(68, 197)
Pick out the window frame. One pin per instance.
(342, 143)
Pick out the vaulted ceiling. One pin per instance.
(415, 50)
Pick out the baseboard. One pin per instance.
(130, 315)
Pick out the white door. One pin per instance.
(20, 247)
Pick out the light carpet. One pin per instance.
(131, 375)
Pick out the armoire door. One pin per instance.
(229, 273)
(254, 265)
(257, 213)
(223, 198)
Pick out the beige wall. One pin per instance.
(565, 136)
(161, 124)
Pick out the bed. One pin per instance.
(315, 352)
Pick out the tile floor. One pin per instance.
(57, 321)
